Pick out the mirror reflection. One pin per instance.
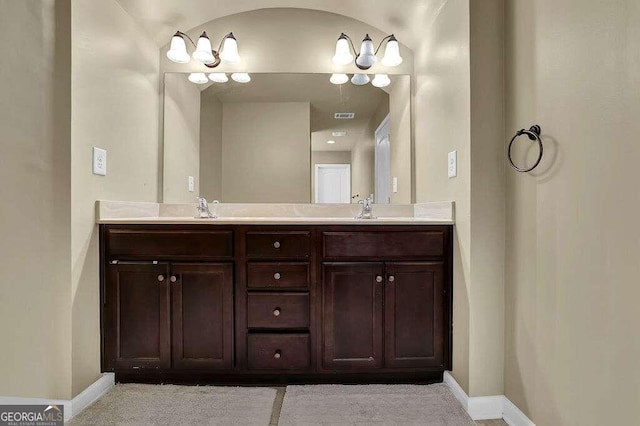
(286, 138)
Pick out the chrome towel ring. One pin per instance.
(534, 135)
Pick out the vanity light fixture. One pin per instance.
(218, 77)
(227, 51)
(381, 80)
(241, 77)
(367, 56)
(198, 78)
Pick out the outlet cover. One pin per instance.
(192, 184)
(99, 161)
(395, 184)
(452, 164)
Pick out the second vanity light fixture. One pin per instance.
(367, 56)
(227, 51)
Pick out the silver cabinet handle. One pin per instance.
(160, 278)
(277, 354)
(276, 244)
(378, 278)
(276, 312)
(391, 278)
(277, 275)
(173, 279)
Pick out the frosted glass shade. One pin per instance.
(343, 54)
(229, 51)
(178, 51)
(218, 77)
(203, 50)
(381, 80)
(241, 77)
(360, 79)
(392, 56)
(339, 78)
(198, 78)
(367, 56)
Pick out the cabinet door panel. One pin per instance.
(137, 333)
(414, 315)
(202, 316)
(352, 315)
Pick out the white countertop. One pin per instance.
(119, 212)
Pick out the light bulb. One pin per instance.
(218, 77)
(381, 80)
(198, 78)
(241, 77)
(178, 51)
(339, 78)
(203, 50)
(392, 56)
(360, 79)
(343, 54)
(367, 56)
(229, 52)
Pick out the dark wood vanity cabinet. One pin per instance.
(212, 303)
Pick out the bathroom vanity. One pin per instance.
(310, 300)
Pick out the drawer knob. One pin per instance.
(276, 244)
(173, 279)
(276, 312)
(378, 278)
(276, 275)
(391, 278)
(160, 278)
(278, 354)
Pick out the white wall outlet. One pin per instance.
(452, 164)
(192, 184)
(395, 184)
(99, 161)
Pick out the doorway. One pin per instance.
(383, 162)
(333, 183)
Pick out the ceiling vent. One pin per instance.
(339, 133)
(344, 115)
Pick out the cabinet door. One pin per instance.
(136, 329)
(202, 315)
(414, 314)
(352, 315)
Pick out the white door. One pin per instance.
(333, 183)
(383, 163)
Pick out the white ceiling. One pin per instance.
(161, 18)
(325, 99)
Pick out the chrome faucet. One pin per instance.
(367, 208)
(203, 209)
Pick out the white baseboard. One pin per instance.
(488, 407)
(71, 407)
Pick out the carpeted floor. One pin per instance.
(432, 405)
(132, 404)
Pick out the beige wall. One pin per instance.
(210, 146)
(181, 139)
(35, 175)
(573, 238)
(266, 149)
(400, 123)
(115, 106)
(442, 124)
(363, 155)
(326, 157)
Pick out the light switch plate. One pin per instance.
(453, 164)
(99, 161)
(192, 184)
(395, 184)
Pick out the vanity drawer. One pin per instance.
(383, 244)
(293, 244)
(158, 244)
(278, 275)
(278, 351)
(278, 310)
